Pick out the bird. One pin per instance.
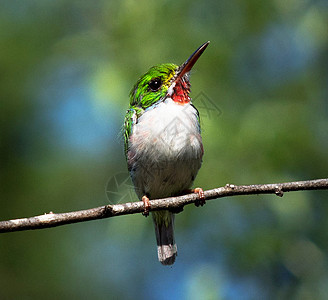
(163, 144)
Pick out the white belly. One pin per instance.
(165, 150)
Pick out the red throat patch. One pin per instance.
(181, 92)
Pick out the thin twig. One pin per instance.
(173, 203)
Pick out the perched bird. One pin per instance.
(163, 144)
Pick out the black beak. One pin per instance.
(189, 63)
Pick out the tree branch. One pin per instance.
(175, 204)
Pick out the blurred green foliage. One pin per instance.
(261, 88)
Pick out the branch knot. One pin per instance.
(278, 191)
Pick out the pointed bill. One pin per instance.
(186, 66)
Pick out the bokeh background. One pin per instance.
(262, 91)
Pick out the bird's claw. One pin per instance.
(146, 203)
(201, 201)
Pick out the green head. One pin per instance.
(165, 80)
(153, 86)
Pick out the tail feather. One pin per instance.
(164, 230)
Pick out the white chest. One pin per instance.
(165, 149)
(168, 129)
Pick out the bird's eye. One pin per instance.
(155, 84)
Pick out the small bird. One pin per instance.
(163, 143)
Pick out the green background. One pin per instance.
(261, 88)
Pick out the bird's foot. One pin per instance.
(146, 203)
(201, 200)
